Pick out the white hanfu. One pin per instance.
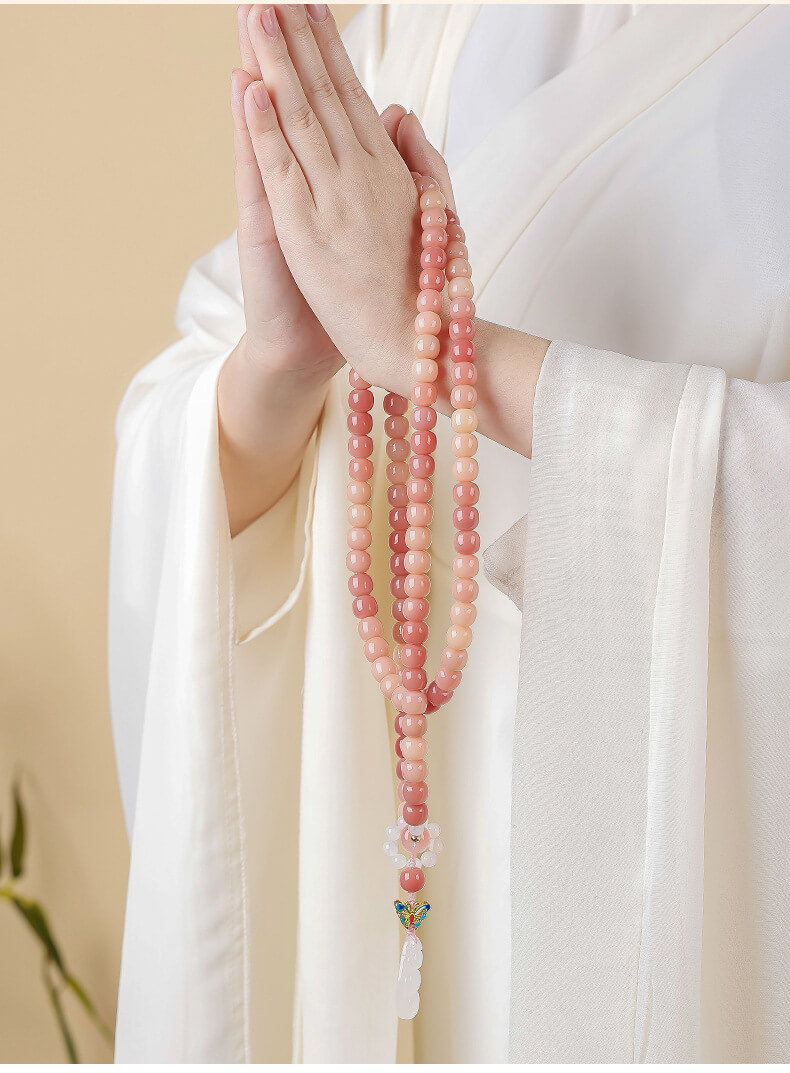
(623, 180)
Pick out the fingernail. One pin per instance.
(261, 96)
(417, 121)
(269, 21)
(317, 12)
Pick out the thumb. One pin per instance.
(419, 155)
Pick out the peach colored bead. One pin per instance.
(431, 279)
(433, 257)
(397, 450)
(397, 426)
(360, 514)
(433, 238)
(446, 680)
(428, 323)
(423, 418)
(417, 585)
(414, 748)
(461, 287)
(383, 666)
(356, 381)
(425, 346)
(414, 770)
(464, 420)
(464, 445)
(415, 609)
(419, 514)
(370, 627)
(463, 308)
(463, 614)
(419, 490)
(466, 469)
(418, 538)
(413, 703)
(359, 491)
(457, 249)
(413, 726)
(375, 648)
(433, 218)
(424, 394)
(454, 659)
(358, 562)
(417, 562)
(389, 683)
(429, 302)
(359, 538)
(425, 369)
(423, 183)
(456, 233)
(465, 590)
(432, 199)
(459, 266)
(459, 637)
(463, 397)
(466, 566)
(397, 696)
(464, 372)
(397, 472)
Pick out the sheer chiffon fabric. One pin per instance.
(632, 660)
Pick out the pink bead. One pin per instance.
(359, 423)
(397, 610)
(423, 183)
(355, 380)
(360, 514)
(422, 465)
(463, 350)
(413, 726)
(394, 403)
(398, 518)
(465, 518)
(419, 490)
(418, 538)
(465, 590)
(397, 565)
(466, 543)
(417, 585)
(415, 609)
(412, 879)
(426, 348)
(360, 469)
(396, 495)
(463, 614)
(360, 584)
(414, 677)
(433, 256)
(415, 815)
(375, 648)
(465, 469)
(397, 427)
(397, 450)
(431, 279)
(360, 446)
(358, 561)
(413, 703)
(459, 637)
(434, 238)
(423, 443)
(460, 287)
(398, 587)
(424, 394)
(427, 323)
(464, 420)
(454, 659)
(397, 542)
(466, 493)
(359, 491)
(414, 633)
(364, 606)
(464, 445)
(455, 232)
(429, 302)
(417, 561)
(459, 266)
(457, 249)
(462, 329)
(388, 683)
(464, 373)
(413, 656)
(432, 199)
(448, 681)
(360, 399)
(397, 696)
(415, 793)
(414, 770)
(359, 539)
(423, 417)
(419, 514)
(462, 309)
(370, 627)
(466, 566)
(397, 472)
(433, 218)
(436, 696)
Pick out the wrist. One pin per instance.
(269, 368)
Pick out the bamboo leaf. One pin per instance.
(90, 1009)
(60, 1017)
(36, 918)
(18, 837)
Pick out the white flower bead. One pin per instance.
(434, 830)
(401, 824)
(390, 848)
(400, 860)
(416, 832)
(428, 859)
(393, 833)
(437, 845)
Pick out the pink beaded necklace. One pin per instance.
(413, 842)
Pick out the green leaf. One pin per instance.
(18, 837)
(36, 918)
(90, 1009)
(60, 1017)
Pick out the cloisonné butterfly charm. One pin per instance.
(411, 916)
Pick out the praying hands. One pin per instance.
(327, 233)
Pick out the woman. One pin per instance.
(622, 181)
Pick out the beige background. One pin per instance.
(116, 174)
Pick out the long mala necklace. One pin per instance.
(413, 842)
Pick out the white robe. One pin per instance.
(636, 203)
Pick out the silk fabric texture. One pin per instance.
(634, 642)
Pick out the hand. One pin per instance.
(283, 334)
(341, 198)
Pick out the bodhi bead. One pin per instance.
(414, 770)
(465, 469)
(360, 469)
(368, 628)
(433, 256)
(375, 648)
(463, 397)
(464, 420)
(414, 633)
(413, 656)
(431, 279)
(418, 538)
(447, 680)
(413, 748)
(459, 637)
(359, 538)
(412, 703)
(424, 393)
(413, 726)
(397, 450)
(419, 490)
(434, 217)
(364, 606)
(417, 585)
(466, 517)
(463, 328)
(360, 514)
(382, 667)
(355, 380)
(415, 814)
(466, 493)
(466, 543)
(397, 426)
(422, 418)
(436, 696)
(419, 513)
(432, 199)
(421, 465)
(417, 562)
(360, 423)
(414, 678)
(465, 590)
(412, 880)
(415, 609)
(358, 562)
(423, 443)
(466, 566)
(463, 614)
(454, 659)
(429, 302)
(464, 444)
(463, 350)
(461, 287)
(395, 404)
(360, 584)
(359, 492)
(415, 793)
(396, 495)
(464, 373)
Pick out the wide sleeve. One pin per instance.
(633, 463)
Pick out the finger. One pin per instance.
(318, 86)
(284, 181)
(250, 192)
(358, 106)
(295, 119)
(249, 60)
(391, 118)
(419, 155)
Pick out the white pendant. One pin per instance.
(409, 978)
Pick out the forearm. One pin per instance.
(266, 420)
